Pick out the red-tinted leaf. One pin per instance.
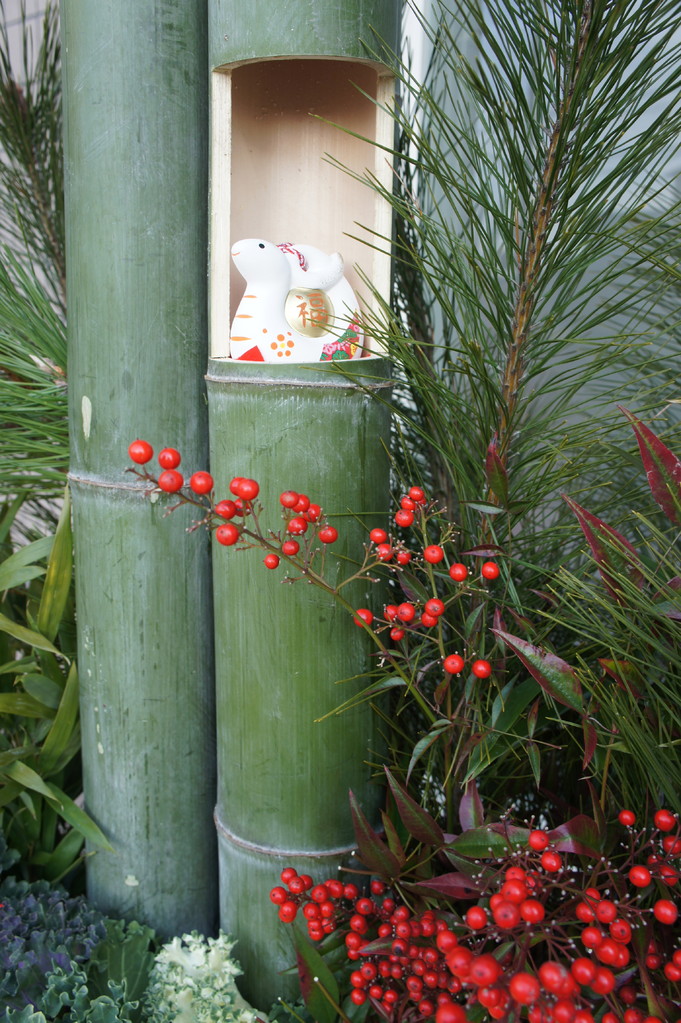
(486, 550)
(497, 477)
(590, 741)
(373, 851)
(498, 622)
(578, 835)
(550, 671)
(626, 674)
(532, 718)
(313, 972)
(394, 843)
(379, 946)
(455, 886)
(662, 467)
(418, 823)
(612, 552)
(471, 811)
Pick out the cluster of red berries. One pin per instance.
(547, 941)
(399, 619)
(300, 513)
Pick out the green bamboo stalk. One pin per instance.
(283, 776)
(136, 125)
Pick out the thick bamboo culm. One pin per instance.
(136, 166)
(283, 775)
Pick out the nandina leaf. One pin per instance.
(590, 741)
(485, 842)
(534, 757)
(471, 811)
(483, 550)
(612, 552)
(394, 843)
(551, 672)
(625, 673)
(662, 467)
(455, 885)
(497, 477)
(578, 835)
(373, 851)
(416, 820)
(379, 946)
(426, 741)
(314, 975)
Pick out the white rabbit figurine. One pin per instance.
(297, 307)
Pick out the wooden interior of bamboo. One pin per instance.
(280, 130)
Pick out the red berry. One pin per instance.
(289, 498)
(538, 840)
(506, 914)
(313, 513)
(606, 911)
(627, 818)
(448, 1012)
(489, 570)
(476, 918)
(664, 820)
(227, 534)
(417, 494)
(453, 664)
(288, 873)
(407, 503)
(532, 911)
(583, 970)
(428, 621)
(384, 552)
(357, 996)
(290, 547)
(302, 504)
(620, 930)
(297, 525)
(604, 981)
(404, 518)
(481, 669)
(170, 481)
(552, 976)
(278, 895)
(201, 482)
(671, 845)
(396, 635)
(328, 534)
(434, 607)
(551, 861)
(592, 937)
(403, 557)
(390, 612)
(406, 612)
(485, 970)
(226, 509)
(248, 490)
(433, 554)
(665, 911)
(378, 536)
(458, 572)
(169, 458)
(140, 451)
(288, 911)
(640, 876)
(524, 988)
(363, 616)
(234, 485)
(270, 561)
